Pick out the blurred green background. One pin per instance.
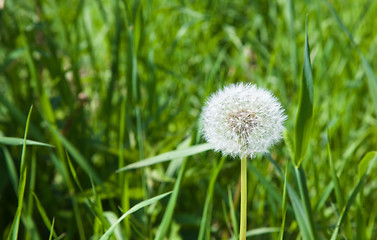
(116, 81)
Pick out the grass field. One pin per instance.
(99, 85)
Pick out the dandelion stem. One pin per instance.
(243, 215)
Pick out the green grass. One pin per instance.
(117, 88)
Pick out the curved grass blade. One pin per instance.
(305, 108)
(112, 218)
(19, 141)
(168, 156)
(44, 216)
(135, 208)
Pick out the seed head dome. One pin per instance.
(242, 120)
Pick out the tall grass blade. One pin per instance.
(13, 234)
(232, 214)
(305, 108)
(204, 224)
(32, 172)
(166, 220)
(338, 191)
(301, 180)
(44, 216)
(11, 169)
(74, 173)
(135, 208)
(52, 233)
(284, 207)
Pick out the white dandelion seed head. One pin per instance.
(242, 120)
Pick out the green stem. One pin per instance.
(243, 217)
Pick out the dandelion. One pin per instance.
(242, 120)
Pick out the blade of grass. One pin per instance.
(301, 180)
(204, 224)
(31, 229)
(115, 51)
(135, 208)
(13, 234)
(95, 208)
(325, 195)
(305, 108)
(338, 191)
(122, 177)
(44, 216)
(11, 169)
(112, 219)
(232, 214)
(52, 232)
(74, 173)
(298, 209)
(166, 220)
(168, 156)
(284, 207)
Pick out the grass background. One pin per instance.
(114, 82)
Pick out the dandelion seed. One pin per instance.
(242, 120)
